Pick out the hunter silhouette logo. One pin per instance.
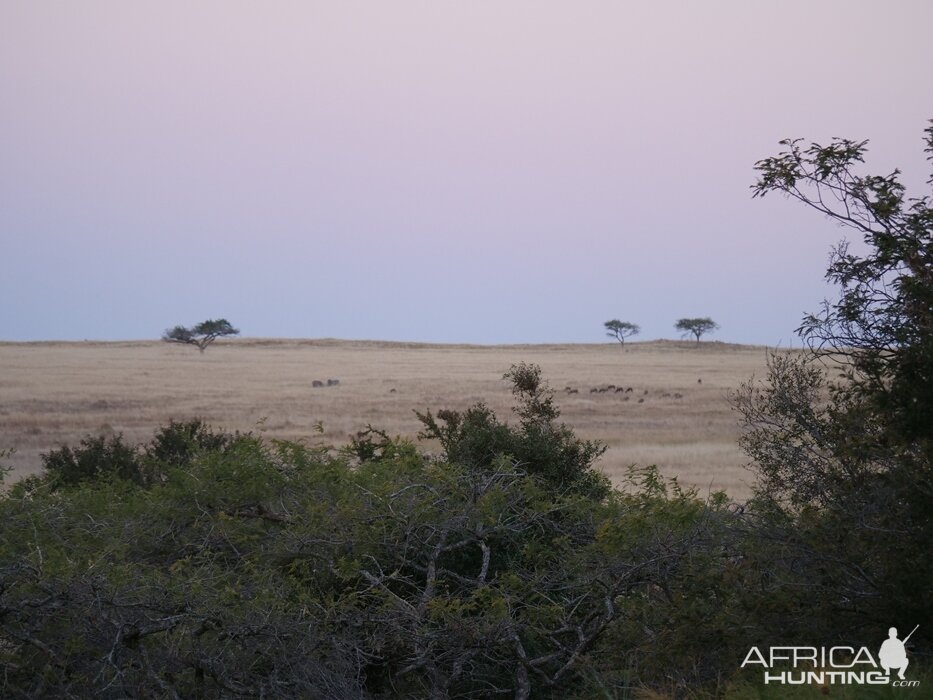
(838, 665)
(893, 655)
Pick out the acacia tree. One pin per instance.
(845, 464)
(696, 326)
(620, 330)
(202, 334)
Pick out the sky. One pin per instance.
(437, 171)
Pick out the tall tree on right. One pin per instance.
(844, 455)
(696, 327)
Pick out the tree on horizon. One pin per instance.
(696, 327)
(202, 334)
(620, 330)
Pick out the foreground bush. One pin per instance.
(240, 567)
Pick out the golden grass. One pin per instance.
(55, 393)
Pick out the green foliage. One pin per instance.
(177, 443)
(882, 322)
(100, 457)
(620, 330)
(844, 505)
(696, 327)
(280, 570)
(4, 470)
(540, 445)
(201, 335)
(96, 458)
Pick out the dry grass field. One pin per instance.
(676, 416)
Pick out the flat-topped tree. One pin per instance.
(696, 327)
(620, 330)
(202, 334)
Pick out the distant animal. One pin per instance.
(392, 390)
(573, 391)
(641, 400)
(333, 382)
(678, 396)
(619, 390)
(317, 383)
(594, 390)
(699, 381)
(628, 390)
(646, 392)
(611, 386)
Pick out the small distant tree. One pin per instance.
(696, 327)
(620, 330)
(202, 334)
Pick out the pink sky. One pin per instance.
(438, 171)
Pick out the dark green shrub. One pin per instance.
(96, 458)
(100, 457)
(540, 445)
(178, 442)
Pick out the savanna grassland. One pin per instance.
(677, 414)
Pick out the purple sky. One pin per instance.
(433, 171)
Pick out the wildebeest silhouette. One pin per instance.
(333, 382)
(317, 383)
